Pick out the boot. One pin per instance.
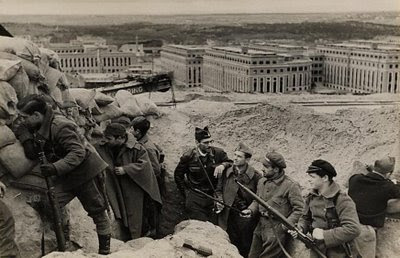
(104, 244)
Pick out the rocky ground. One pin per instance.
(300, 134)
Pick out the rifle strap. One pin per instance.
(208, 178)
(279, 241)
(42, 242)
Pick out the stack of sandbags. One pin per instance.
(109, 112)
(12, 155)
(8, 103)
(128, 103)
(11, 71)
(85, 98)
(147, 106)
(20, 47)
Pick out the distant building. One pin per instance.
(362, 66)
(92, 55)
(186, 62)
(249, 69)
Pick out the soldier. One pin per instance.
(129, 179)
(329, 214)
(75, 167)
(123, 120)
(200, 165)
(371, 193)
(283, 194)
(8, 247)
(140, 126)
(239, 228)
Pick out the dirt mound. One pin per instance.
(302, 135)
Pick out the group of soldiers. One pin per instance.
(209, 182)
(122, 168)
(118, 167)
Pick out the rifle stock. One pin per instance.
(309, 242)
(51, 194)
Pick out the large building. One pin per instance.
(92, 55)
(186, 62)
(362, 66)
(252, 69)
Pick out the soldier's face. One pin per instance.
(268, 170)
(315, 181)
(34, 120)
(205, 145)
(113, 141)
(239, 158)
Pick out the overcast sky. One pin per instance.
(192, 6)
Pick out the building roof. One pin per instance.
(239, 50)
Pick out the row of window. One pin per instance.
(358, 54)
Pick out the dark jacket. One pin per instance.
(283, 194)
(190, 166)
(123, 191)
(371, 193)
(228, 189)
(315, 216)
(75, 162)
(154, 153)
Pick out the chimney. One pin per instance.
(244, 50)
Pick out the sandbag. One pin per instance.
(12, 157)
(147, 106)
(51, 57)
(20, 47)
(102, 99)
(20, 83)
(128, 103)
(53, 81)
(109, 112)
(31, 69)
(8, 68)
(75, 80)
(7, 137)
(84, 97)
(8, 101)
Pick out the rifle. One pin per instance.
(51, 194)
(216, 200)
(308, 241)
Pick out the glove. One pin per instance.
(48, 170)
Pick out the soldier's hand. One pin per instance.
(48, 170)
(293, 233)
(246, 213)
(219, 170)
(318, 234)
(119, 171)
(219, 207)
(2, 189)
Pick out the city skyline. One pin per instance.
(171, 7)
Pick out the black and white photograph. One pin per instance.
(199, 128)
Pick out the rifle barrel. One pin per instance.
(310, 243)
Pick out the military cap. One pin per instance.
(322, 168)
(275, 159)
(115, 129)
(201, 134)
(123, 120)
(385, 165)
(244, 148)
(138, 120)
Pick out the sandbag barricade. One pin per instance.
(20, 47)
(128, 103)
(109, 112)
(13, 159)
(7, 137)
(8, 103)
